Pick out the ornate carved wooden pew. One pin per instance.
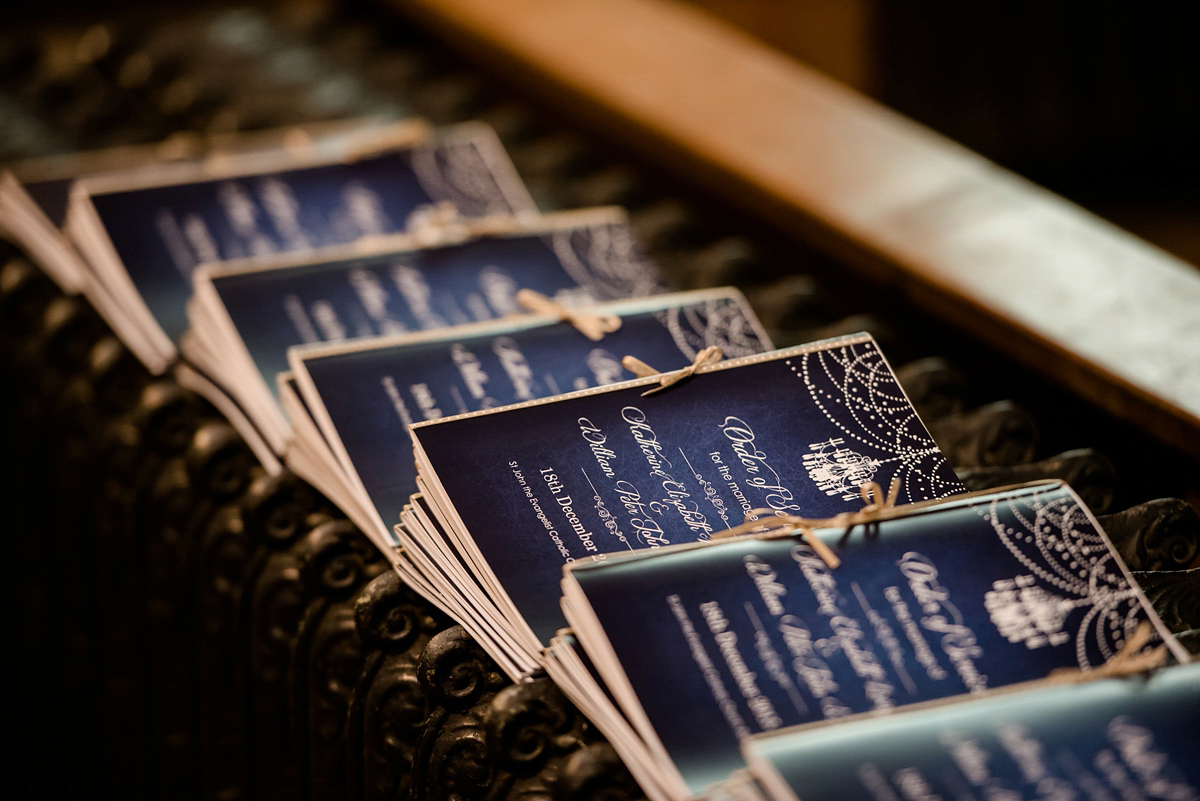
(231, 635)
(210, 631)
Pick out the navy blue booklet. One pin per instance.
(531, 487)
(364, 395)
(1129, 738)
(245, 315)
(145, 232)
(34, 193)
(359, 399)
(759, 633)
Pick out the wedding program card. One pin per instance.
(1130, 738)
(756, 634)
(245, 315)
(529, 488)
(34, 193)
(364, 395)
(144, 232)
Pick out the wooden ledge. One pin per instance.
(1109, 316)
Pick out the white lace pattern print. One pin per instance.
(719, 321)
(456, 172)
(1069, 566)
(605, 260)
(881, 436)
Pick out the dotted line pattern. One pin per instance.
(855, 390)
(1053, 538)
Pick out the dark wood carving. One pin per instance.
(1159, 535)
(335, 560)
(1088, 472)
(450, 759)
(595, 773)
(1175, 595)
(214, 632)
(483, 738)
(1191, 641)
(998, 434)
(389, 707)
(192, 488)
(221, 738)
(532, 728)
(25, 292)
(935, 388)
(274, 607)
(116, 383)
(275, 512)
(51, 362)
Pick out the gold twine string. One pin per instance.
(1133, 657)
(592, 326)
(710, 355)
(436, 224)
(776, 524)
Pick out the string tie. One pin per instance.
(710, 355)
(1132, 658)
(433, 224)
(592, 326)
(773, 524)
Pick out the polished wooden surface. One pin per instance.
(1102, 312)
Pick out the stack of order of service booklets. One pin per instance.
(353, 297)
(352, 406)
(509, 496)
(143, 232)
(755, 634)
(245, 314)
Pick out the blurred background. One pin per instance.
(1097, 101)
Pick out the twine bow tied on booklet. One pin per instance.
(592, 326)
(439, 224)
(771, 523)
(434, 224)
(710, 355)
(1132, 658)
